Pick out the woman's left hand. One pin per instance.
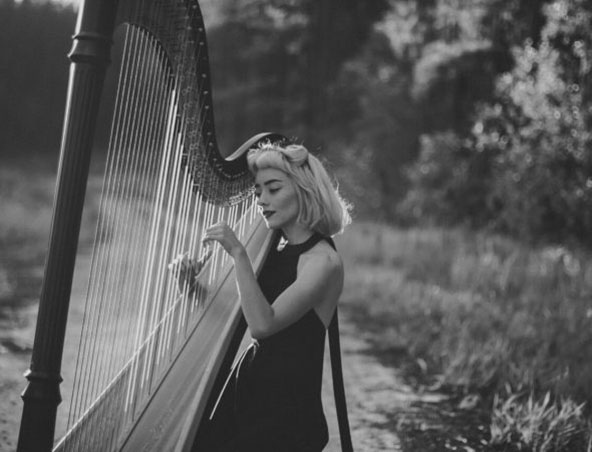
(223, 234)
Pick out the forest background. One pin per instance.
(459, 130)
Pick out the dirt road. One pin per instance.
(373, 392)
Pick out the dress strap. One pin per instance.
(338, 386)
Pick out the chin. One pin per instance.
(274, 225)
(271, 225)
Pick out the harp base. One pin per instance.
(41, 399)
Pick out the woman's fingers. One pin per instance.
(223, 234)
(217, 232)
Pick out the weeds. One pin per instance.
(540, 426)
(486, 314)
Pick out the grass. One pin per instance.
(540, 425)
(485, 314)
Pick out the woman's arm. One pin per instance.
(319, 278)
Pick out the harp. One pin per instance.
(150, 349)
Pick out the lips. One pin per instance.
(268, 213)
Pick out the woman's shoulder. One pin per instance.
(323, 257)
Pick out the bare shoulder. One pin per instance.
(321, 269)
(322, 258)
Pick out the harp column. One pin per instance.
(90, 56)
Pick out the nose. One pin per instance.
(262, 200)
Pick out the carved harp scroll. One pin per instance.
(150, 349)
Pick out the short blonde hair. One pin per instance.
(321, 208)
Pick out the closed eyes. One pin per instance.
(270, 190)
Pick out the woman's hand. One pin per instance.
(223, 234)
(187, 270)
(183, 269)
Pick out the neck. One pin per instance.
(297, 233)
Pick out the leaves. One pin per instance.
(526, 166)
(539, 425)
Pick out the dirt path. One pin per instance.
(387, 414)
(373, 393)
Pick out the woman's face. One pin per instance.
(277, 199)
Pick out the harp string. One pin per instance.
(174, 219)
(123, 227)
(147, 167)
(142, 189)
(154, 286)
(140, 333)
(186, 231)
(154, 228)
(157, 251)
(149, 284)
(97, 372)
(124, 249)
(97, 260)
(109, 182)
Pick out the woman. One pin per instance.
(272, 399)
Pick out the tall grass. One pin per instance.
(485, 313)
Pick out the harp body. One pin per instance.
(165, 180)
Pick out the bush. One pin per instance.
(449, 183)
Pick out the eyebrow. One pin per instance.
(268, 182)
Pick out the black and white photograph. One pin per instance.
(295, 225)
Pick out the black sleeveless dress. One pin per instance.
(272, 399)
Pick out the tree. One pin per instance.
(541, 131)
(273, 62)
(424, 69)
(530, 146)
(35, 38)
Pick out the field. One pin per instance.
(502, 328)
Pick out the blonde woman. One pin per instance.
(272, 399)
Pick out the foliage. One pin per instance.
(372, 96)
(35, 38)
(540, 426)
(541, 133)
(529, 150)
(289, 53)
(449, 182)
(423, 71)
